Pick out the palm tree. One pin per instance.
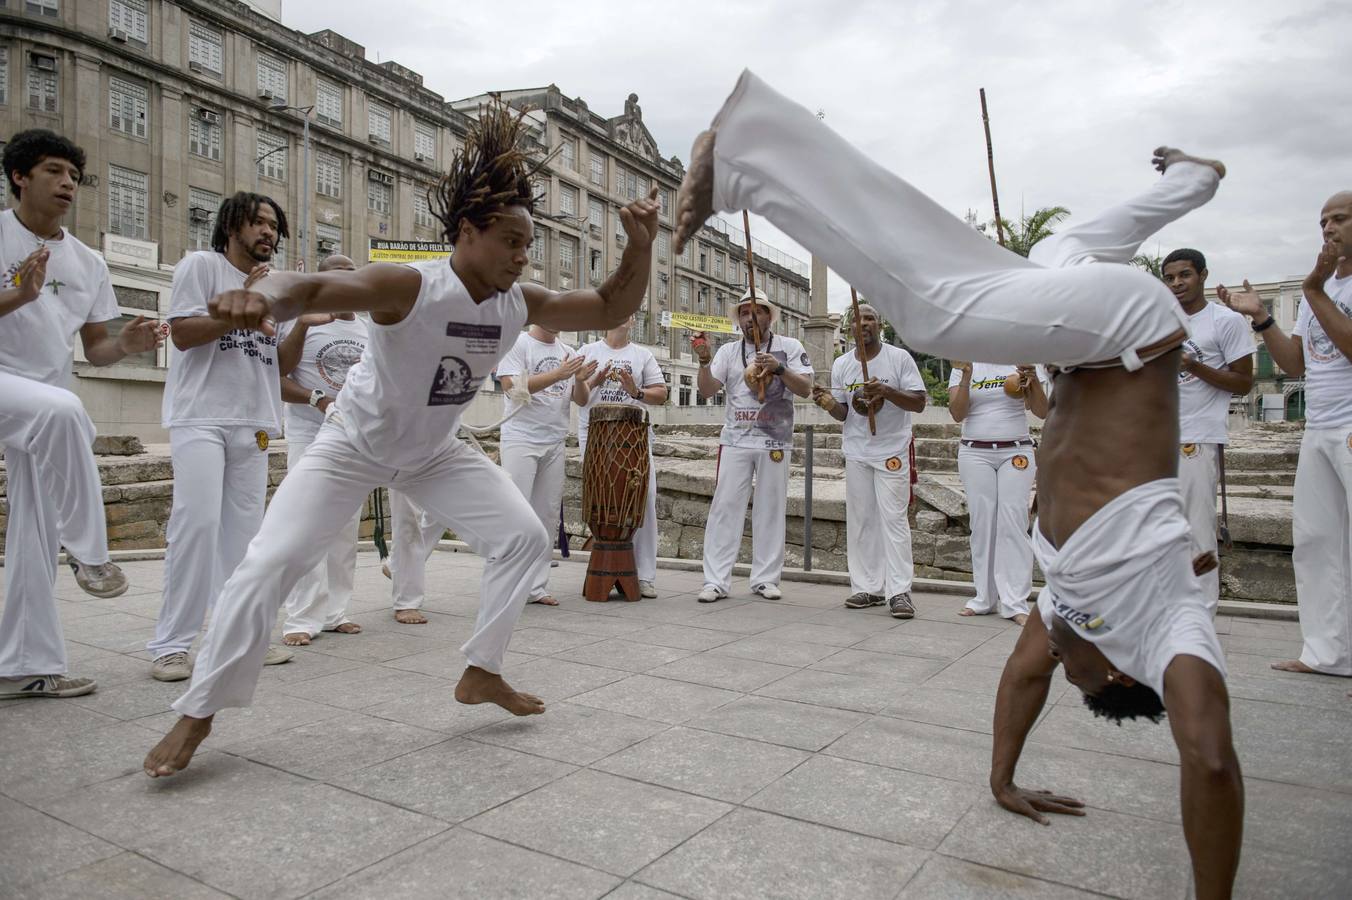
(1152, 264)
(1034, 227)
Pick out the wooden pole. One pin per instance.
(859, 352)
(990, 164)
(751, 280)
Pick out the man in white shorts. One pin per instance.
(314, 354)
(52, 287)
(628, 374)
(533, 439)
(1122, 608)
(222, 404)
(1320, 349)
(438, 328)
(877, 466)
(754, 446)
(1217, 364)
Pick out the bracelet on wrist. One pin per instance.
(1271, 320)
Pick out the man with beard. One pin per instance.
(222, 401)
(754, 447)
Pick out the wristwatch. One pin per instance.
(639, 395)
(316, 396)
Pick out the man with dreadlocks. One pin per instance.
(222, 400)
(437, 330)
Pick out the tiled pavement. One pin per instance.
(744, 749)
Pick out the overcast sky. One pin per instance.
(1079, 93)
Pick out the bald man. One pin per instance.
(314, 353)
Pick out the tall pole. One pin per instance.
(305, 198)
(990, 164)
(751, 280)
(859, 352)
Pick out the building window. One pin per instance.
(567, 255)
(596, 214)
(49, 8)
(703, 260)
(378, 122)
(127, 195)
(271, 155)
(204, 133)
(539, 189)
(685, 396)
(202, 209)
(328, 240)
(687, 252)
(329, 103)
(425, 141)
(567, 200)
(422, 209)
(598, 170)
(379, 196)
(43, 87)
(619, 228)
(204, 47)
(568, 153)
(130, 17)
(664, 199)
(328, 175)
(683, 294)
(272, 83)
(734, 270)
(663, 244)
(718, 265)
(538, 247)
(4, 76)
(597, 269)
(127, 107)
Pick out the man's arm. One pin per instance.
(294, 393)
(1035, 398)
(386, 290)
(911, 401)
(1211, 785)
(1238, 379)
(1287, 351)
(705, 381)
(1336, 325)
(1022, 694)
(960, 394)
(137, 336)
(195, 330)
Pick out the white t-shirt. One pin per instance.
(1217, 337)
(234, 379)
(993, 415)
(1124, 582)
(638, 361)
(893, 367)
(545, 418)
(38, 339)
(1328, 374)
(404, 398)
(329, 351)
(750, 423)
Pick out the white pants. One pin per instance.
(950, 290)
(415, 539)
(220, 488)
(878, 534)
(1198, 476)
(54, 498)
(997, 505)
(1322, 555)
(457, 486)
(645, 539)
(537, 472)
(319, 600)
(738, 467)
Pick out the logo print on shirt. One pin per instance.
(335, 358)
(454, 384)
(1318, 345)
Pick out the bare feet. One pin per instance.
(346, 628)
(409, 617)
(967, 611)
(1020, 618)
(695, 202)
(481, 686)
(174, 751)
(1294, 665)
(296, 639)
(1166, 156)
(546, 600)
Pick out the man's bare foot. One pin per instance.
(1019, 618)
(1294, 665)
(546, 600)
(1167, 156)
(695, 201)
(481, 686)
(346, 628)
(967, 611)
(296, 639)
(409, 617)
(174, 751)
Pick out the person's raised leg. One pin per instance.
(1012, 552)
(980, 484)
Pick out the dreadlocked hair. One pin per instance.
(490, 173)
(240, 210)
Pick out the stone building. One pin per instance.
(1275, 395)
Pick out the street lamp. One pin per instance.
(304, 233)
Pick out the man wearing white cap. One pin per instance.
(756, 440)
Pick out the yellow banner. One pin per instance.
(697, 322)
(407, 251)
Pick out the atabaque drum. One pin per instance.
(614, 496)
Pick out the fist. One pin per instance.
(823, 398)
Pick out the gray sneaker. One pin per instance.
(45, 686)
(103, 581)
(277, 655)
(172, 667)
(647, 589)
(862, 600)
(901, 606)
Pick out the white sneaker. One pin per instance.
(647, 589)
(105, 581)
(277, 655)
(171, 667)
(768, 591)
(45, 686)
(711, 594)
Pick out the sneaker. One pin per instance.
(277, 655)
(768, 591)
(172, 667)
(647, 589)
(45, 686)
(711, 594)
(862, 600)
(901, 606)
(103, 581)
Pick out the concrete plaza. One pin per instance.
(741, 749)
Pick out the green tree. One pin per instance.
(1152, 264)
(1032, 228)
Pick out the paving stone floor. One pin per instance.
(744, 749)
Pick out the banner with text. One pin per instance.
(407, 251)
(697, 322)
